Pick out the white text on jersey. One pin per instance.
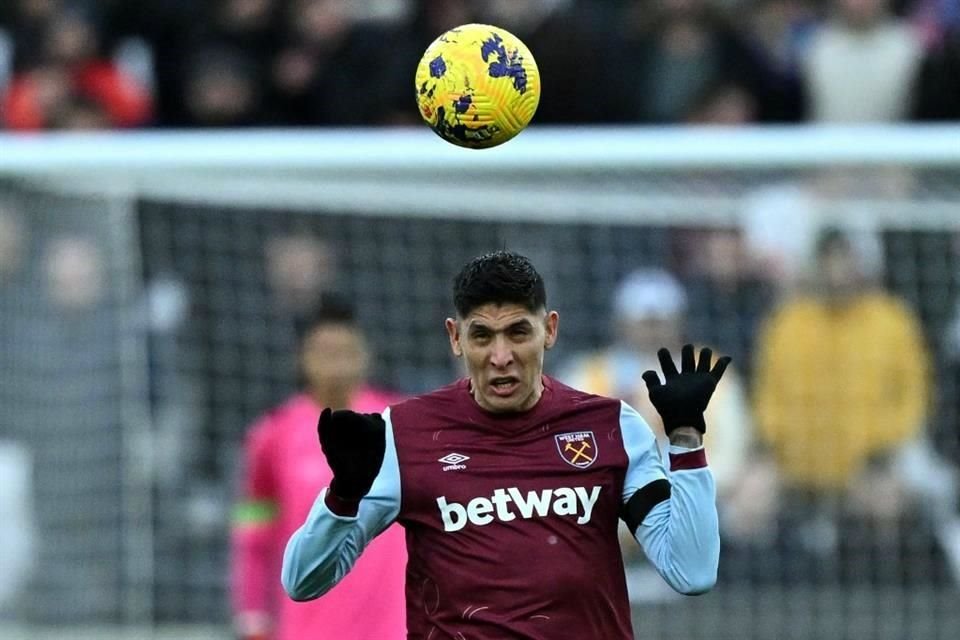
(534, 504)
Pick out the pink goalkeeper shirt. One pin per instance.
(284, 472)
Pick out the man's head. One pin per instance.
(299, 265)
(648, 310)
(840, 272)
(502, 330)
(333, 351)
(76, 271)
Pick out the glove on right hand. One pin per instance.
(354, 445)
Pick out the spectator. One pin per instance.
(17, 526)
(285, 470)
(935, 95)
(842, 386)
(571, 53)
(67, 412)
(390, 76)
(676, 51)
(27, 21)
(71, 81)
(779, 32)
(840, 72)
(222, 89)
(299, 266)
(729, 291)
(251, 24)
(934, 19)
(328, 70)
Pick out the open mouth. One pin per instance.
(504, 386)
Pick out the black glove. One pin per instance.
(353, 444)
(683, 397)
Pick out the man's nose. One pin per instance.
(502, 354)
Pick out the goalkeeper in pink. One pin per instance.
(284, 471)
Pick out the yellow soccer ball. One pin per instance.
(477, 86)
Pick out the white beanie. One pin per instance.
(649, 293)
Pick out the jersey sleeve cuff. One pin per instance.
(339, 506)
(682, 459)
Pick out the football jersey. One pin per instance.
(511, 519)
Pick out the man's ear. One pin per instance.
(453, 331)
(552, 325)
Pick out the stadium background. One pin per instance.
(148, 278)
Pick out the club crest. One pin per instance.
(577, 448)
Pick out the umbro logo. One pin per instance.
(454, 461)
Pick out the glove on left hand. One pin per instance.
(683, 397)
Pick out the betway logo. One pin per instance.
(508, 504)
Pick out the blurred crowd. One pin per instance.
(95, 64)
(827, 448)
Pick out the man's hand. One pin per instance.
(354, 444)
(683, 397)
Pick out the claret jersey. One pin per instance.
(511, 519)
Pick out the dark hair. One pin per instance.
(501, 277)
(330, 309)
(831, 239)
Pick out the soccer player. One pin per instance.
(511, 485)
(284, 472)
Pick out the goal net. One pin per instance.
(149, 283)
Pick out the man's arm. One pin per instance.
(322, 551)
(676, 522)
(672, 515)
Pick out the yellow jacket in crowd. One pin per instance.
(836, 385)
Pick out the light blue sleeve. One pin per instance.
(322, 551)
(645, 464)
(680, 536)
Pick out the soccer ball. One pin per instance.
(477, 86)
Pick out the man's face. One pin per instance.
(297, 268)
(75, 272)
(503, 348)
(840, 272)
(334, 359)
